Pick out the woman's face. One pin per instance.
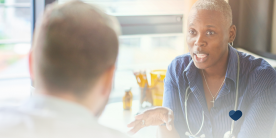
(208, 37)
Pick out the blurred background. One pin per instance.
(15, 42)
(153, 34)
(152, 38)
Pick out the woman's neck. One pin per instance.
(219, 69)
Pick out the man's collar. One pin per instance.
(58, 106)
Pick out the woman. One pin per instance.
(208, 78)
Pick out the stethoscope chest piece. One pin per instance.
(228, 135)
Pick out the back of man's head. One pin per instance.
(74, 44)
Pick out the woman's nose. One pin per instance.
(200, 41)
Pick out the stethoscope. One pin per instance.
(228, 134)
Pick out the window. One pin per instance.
(138, 7)
(143, 52)
(137, 51)
(15, 35)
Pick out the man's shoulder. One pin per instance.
(10, 115)
(16, 123)
(11, 120)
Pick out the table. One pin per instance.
(114, 116)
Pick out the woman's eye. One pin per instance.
(210, 33)
(192, 32)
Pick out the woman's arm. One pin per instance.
(165, 114)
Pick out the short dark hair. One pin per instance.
(75, 46)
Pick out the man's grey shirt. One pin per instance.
(49, 117)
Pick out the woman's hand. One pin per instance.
(152, 117)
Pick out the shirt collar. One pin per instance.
(191, 70)
(232, 70)
(194, 81)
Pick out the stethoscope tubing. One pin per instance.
(237, 92)
(186, 108)
(235, 108)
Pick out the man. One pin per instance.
(201, 87)
(72, 64)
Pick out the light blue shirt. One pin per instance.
(50, 117)
(256, 99)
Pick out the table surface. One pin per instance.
(114, 116)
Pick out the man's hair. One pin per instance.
(216, 5)
(76, 43)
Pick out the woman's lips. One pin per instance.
(200, 57)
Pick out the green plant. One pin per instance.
(2, 37)
(5, 47)
(2, 1)
(12, 60)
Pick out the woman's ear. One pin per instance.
(232, 33)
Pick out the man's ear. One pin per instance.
(108, 80)
(31, 70)
(232, 33)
